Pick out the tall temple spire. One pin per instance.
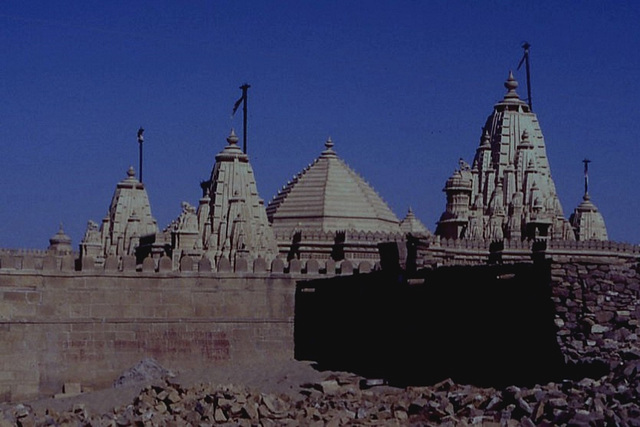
(509, 191)
(230, 222)
(128, 220)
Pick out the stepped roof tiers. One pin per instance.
(230, 224)
(128, 223)
(507, 192)
(327, 211)
(412, 225)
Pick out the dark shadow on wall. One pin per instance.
(483, 325)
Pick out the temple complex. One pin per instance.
(507, 193)
(327, 211)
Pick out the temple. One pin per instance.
(507, 193)
(327, 211)
(127, 228)
(230, 224)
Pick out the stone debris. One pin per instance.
(147, 369)
(339, 400)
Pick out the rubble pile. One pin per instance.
(343, 399)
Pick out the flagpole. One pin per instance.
(586, 176)
(526, 47)
(140, 141)
(244, 88)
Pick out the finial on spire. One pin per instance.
(232, 139)
(131, 173)
(328, 143)
(511, 84)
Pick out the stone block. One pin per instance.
(277, 265)
(259, 265)
(331, 267)
(312, 266)
(346, 267)
(28, 262)
(49, 263)
(186, 264)
(71, 388)
(165, 264)
(111, 264)
(68, 263)
(148, 265)
(242, 265)
(364, 267)
(295, 266)
(6, 261)
(128, 263)
(204, 265)
(88, 263)
(224, 265)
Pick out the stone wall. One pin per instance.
(90, 327)
(597, 308)
(490, 325)
(65, 321)
(59, 325)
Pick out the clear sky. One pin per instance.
(402, 87)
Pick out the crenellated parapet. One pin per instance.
(31, 261)
(36, 259)
(354, 245)
(436, 250)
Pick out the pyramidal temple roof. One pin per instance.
(329, 196)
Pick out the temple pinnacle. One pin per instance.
(232, 139)
(328, 143)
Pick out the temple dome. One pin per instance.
(60, 242)
(412, 225)
(329, 196)
(588, 222)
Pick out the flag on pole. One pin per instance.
(237, 104)
(526, 47)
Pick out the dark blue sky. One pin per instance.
(402, 87)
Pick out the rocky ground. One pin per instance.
(294, 393)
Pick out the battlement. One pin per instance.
(29, 262)
(442, 251)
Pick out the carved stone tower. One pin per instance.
(128, 221)
(231, 221)
(508, 192)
